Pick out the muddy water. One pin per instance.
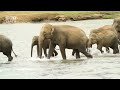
(102, 66)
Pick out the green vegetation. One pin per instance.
(38, 16)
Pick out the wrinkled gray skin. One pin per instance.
(6, 47)
(45, 46)
(104, 37)
(75, 52)
(65, 36)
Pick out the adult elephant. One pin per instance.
(6, 47)
(104, 37)
(45, 46)
(65, 36)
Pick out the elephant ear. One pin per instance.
(98, 37)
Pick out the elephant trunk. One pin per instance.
(89, 44)
(31, 49)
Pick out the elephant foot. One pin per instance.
(48, 57)
(88, 55)
(77, 54)
(115, 51)
(52, 55)
(10, 58)
(41, 57)
(77, 57)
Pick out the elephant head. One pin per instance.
(45, 33)
(93, 38)
(116, 24)
(34, 42)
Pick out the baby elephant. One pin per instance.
(6, 47)
(45, 46)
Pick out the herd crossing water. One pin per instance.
(102, 66)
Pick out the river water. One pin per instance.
(102, 66)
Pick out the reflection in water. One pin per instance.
(104, 65)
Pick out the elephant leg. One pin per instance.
(40, 50)
(83, 50)
(88, 55)
(51, 49)
(8, 54)
(62, 49)
(73, 52)
(115, 50)
(107, 50)
(10, 58)
(77, 53)
(55, 52)
(99, 47)
(45, 52)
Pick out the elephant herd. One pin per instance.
(69, 37)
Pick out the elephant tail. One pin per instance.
(14, 53)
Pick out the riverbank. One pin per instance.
(47, 16)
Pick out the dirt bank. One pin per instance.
(54, 16)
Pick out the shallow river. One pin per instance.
(102, 66)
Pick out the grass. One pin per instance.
(30, 16)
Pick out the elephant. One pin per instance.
(104, 37)
(45, 46)
(6, 47)
(65, 36)
(34, 42)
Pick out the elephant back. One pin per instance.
(5, 41)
